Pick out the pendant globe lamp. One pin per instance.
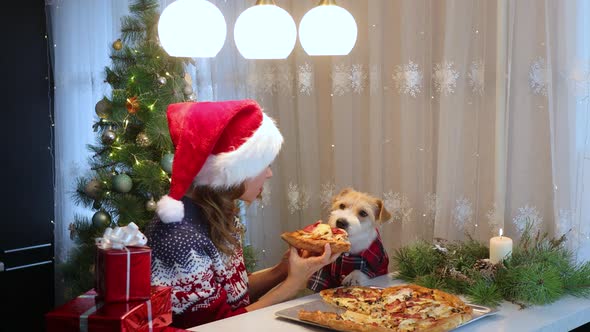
(327, 29)
(192, 29)
(265, 31)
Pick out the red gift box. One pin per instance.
(123, 274)
(88, 314)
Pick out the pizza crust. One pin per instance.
(333, 321)
(297, 240)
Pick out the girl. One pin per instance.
(222, 153)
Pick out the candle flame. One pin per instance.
(501, 232)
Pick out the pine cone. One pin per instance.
(486, 268)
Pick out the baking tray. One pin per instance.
(291, 313)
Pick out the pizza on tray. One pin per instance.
(401, 308)
(314, 237)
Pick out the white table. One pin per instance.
(563, 315)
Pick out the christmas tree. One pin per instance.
(131, 162)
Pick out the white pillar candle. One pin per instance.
(500, 248)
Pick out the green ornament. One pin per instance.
(122, 183)
(101, 219)
(166, 162)
(93, 189)
(104, 109)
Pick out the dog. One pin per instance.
(359, 214)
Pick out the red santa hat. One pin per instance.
(218, 144)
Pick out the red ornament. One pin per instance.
(132, 105)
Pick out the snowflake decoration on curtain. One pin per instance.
(266, 194)
(399, 206)
(348, 78)
(271, 79)
(538, 78)
(305, 79)
(358, 78)
(298, 198)
(327, 192)
(462, 213)
(262, 80)
(573, 234)
(476, 77)
(527, 214)
(374, 79)
(431, 204)
(408, 79)
(284, 79)
(340, 84)
(494, 220)
(445, 77)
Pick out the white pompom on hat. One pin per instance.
(218, 144)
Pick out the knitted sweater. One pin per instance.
(207, 284)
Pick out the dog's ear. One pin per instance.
(381, 214)
(341, 193)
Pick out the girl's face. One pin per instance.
(254, 185)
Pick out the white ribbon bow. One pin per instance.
(120, 237)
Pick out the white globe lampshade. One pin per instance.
(327, 30)
(192, 28)
(265, 31)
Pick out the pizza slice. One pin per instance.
(416, 308)
(314, 237)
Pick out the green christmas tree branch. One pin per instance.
(540, 270)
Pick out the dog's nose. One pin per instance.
(342, 223)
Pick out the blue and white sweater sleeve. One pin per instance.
(207, 285)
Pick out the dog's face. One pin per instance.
(358, 214)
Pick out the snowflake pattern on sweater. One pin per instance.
(206, 283)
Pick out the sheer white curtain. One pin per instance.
(465, 115)
(82, 33)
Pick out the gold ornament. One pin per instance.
(151, 205)
(132, 105)
(117, 44)
(142, 140)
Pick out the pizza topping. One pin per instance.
(324, 231)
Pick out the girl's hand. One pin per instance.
(301, 267)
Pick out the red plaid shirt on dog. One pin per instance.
(372, 261)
